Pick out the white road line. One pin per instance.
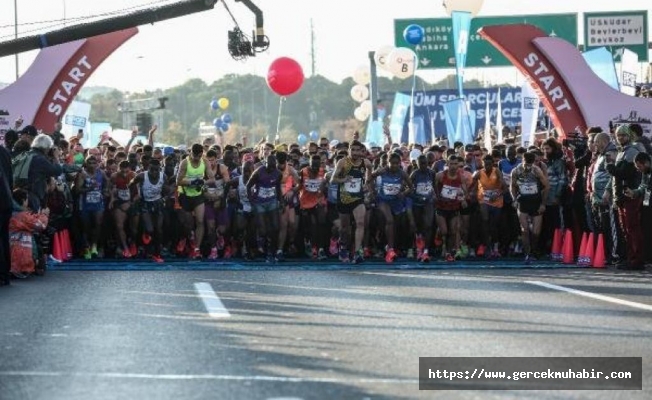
(209, 377)
(609, 299)
(212, 303)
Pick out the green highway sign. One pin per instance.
(617, 30)
(437, 49)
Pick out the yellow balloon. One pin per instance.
(223, 103)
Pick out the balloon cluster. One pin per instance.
(222, 123)
(401, 61)
(360, 93)
(302, 138)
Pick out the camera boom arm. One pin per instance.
(130, 20)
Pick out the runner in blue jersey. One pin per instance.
(265, 202)
(393, 188)
(423, 200)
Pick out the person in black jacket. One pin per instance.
(6, 208)
(626, 176)
(45, 164)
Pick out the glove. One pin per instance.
(197, 182)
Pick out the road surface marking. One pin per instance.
(212, 303)
(210, 377)
(592, 295)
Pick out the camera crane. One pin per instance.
(239, 45)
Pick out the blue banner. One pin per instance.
(458, 122)
(398, 122)
(461, 28)
(429, 105)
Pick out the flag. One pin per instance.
(399, 112)
(487, 126)
(461, 28)
(499, 119)
(458, 123)
(529, 113)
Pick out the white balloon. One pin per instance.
(362, 75)
(366, 106)
(360, 114)
(402, 62)
(471, 6)
(380, 56)
(359, 93)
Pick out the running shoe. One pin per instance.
(228, 253)
(420, 243)
(195, 254)
(181, 246)
(425, 257)
(146, 238)
(438, 241)
(220, 242)
(527, 260)
(390, 256)
(410, 254)
(87, 254)
(321, 255)
(480, 252)
(359, 257)
(133, 250)
(157, 259)
(333, 248)
(449, 257)
(213, 254)
(367, 252)
(279, 256)
(126, 253)
(344, 255)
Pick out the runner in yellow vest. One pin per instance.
(191, 180)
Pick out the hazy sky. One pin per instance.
(168, 53)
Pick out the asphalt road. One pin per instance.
(306, 334)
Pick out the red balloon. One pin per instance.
(285, 76)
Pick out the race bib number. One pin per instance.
(312, 185)
(529, 188)
(391, 189)
(354, 185)
(266, 193)
(124, 194)
(93, 197)
(449, 192)
(424, 188)
(489, 195)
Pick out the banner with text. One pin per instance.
(429, 105)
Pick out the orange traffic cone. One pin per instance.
(57, 251)
(598, 261)
(66, 244)
(589, 251)
(556, 253)
(581, 258)
(569, 256)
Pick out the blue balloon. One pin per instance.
(214, 105)
(227, 118)
(217, 123)
(224, 127)
(302, 139)
(314, 136)
(414, 34)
